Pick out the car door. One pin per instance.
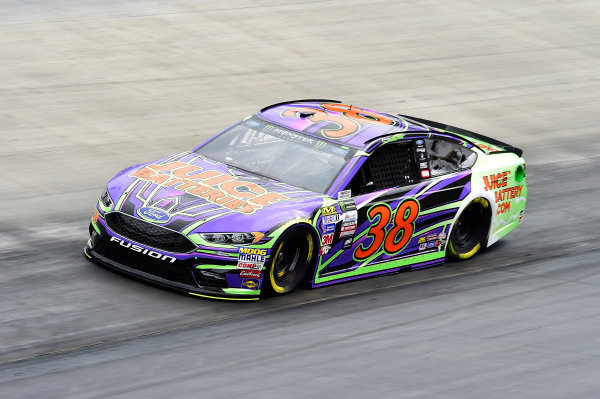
(397, 215)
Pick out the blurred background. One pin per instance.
(90, 87)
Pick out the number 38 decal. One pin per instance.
(394, 239)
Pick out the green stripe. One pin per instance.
(223, 298)
(392, 264)
(241, 291)
(219, 267)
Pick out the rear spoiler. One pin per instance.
(505, 147)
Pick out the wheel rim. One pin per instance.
(291, 261)
(467, 227)
(470, 230)
(285, 263)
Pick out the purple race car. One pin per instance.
(308, 191)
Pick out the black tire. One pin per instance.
(291, 259)
(470, 231)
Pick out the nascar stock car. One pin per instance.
(308, 191)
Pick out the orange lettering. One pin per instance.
(199, 190)
(254, 189)
(269, 198)
(213, 195)
(346, 126)
(185, 173)
(358, 114)
(219, 179)
(168, 166)
(143, 173)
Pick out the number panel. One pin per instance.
(386, 236)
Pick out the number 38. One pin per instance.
(397, 237)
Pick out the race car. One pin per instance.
(308, 192)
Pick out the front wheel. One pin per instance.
(290, 261)
(470, 231)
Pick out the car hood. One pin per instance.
(193, 194)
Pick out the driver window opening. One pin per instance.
(392, 165)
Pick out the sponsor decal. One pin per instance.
(503, 195)
(250, 266)
(328, 210)
(425, 173)
(154, 214)
(503, 208)
(325, 249)
(423, 165)
(442, 236)
(327, 239)
(486, 147)
(252, 255)
(422, 247)
(349, 226)
(493, 182)
(252, 251)
(419, 142)
(251, 258)
(430, 244)
(331, 219)
(508, 193)
(344, 194)
(251, 274)
(142, 250)
(95, 217)
(328, 228)
(251, 284)
(422, 240)
(216, 187)
(347, 243)
(432, 237)
(421, 149)
(348, 229)
(339, 150)
(348, 205)
(290, 136)
(521, 216)
(422, 157)
(350, 216)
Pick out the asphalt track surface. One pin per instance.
(88, 88)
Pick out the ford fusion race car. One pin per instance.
(308, 191)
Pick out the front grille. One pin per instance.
(148, 234)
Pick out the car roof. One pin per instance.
(344, 123)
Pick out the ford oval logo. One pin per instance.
(154, 214)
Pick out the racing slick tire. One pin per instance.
(470, 231)
(292, 258)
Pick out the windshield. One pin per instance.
(279, 153)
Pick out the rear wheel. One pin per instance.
(470, 231)
(290, 260)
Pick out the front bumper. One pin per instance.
(195, 274)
